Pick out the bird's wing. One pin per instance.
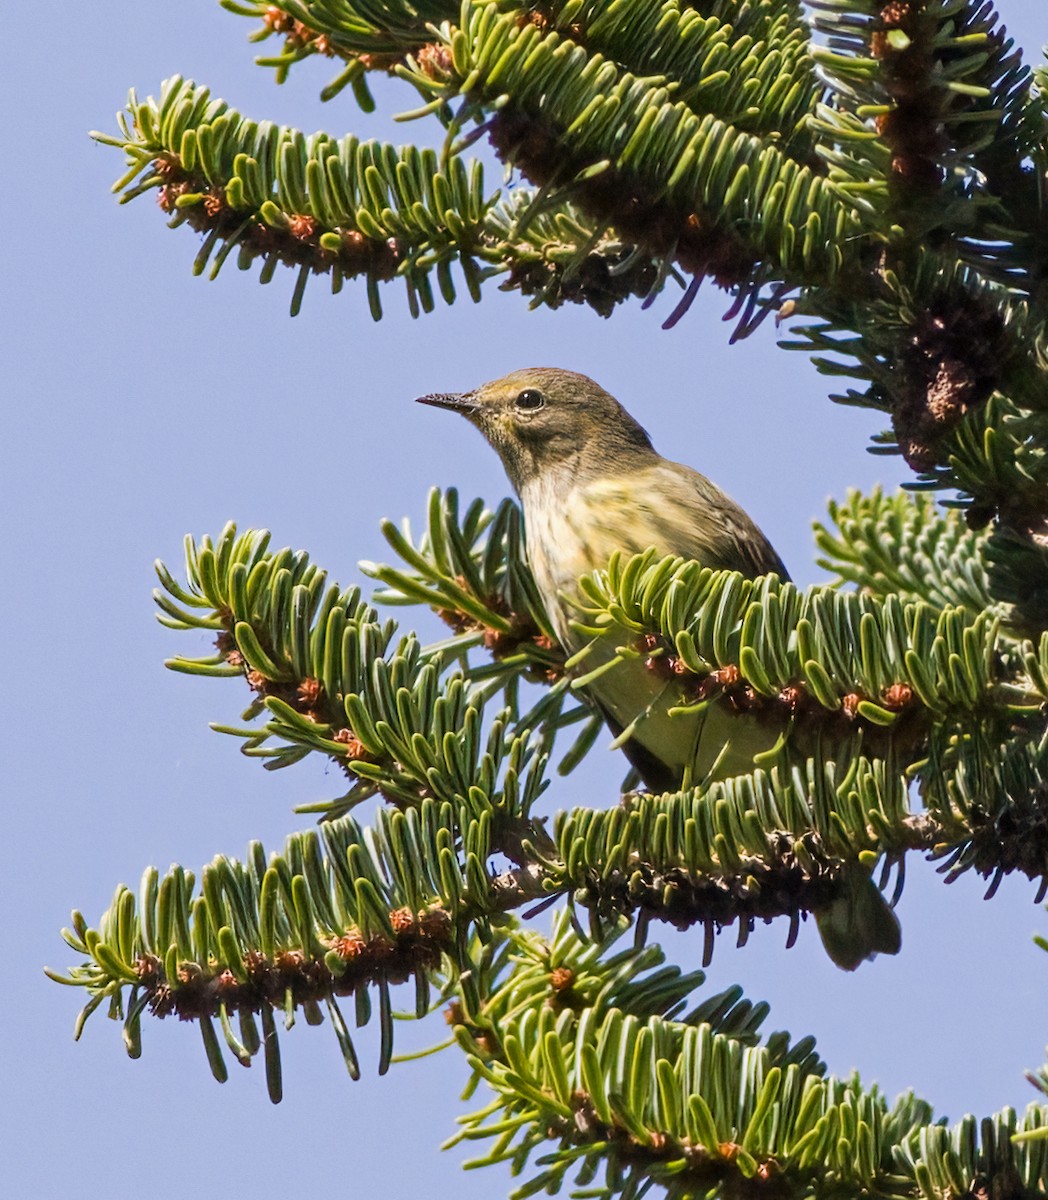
(695, 519)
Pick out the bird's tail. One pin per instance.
(859, 923)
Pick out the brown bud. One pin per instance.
(187, 972)
(918, 452)
(896, 14)
(726, 675)
(169, 193)
(533, 17)
(302, 226)
(277, 20)
(355, 748)
(785, 311)
(402, 920)
(166, 165)
(147, 968)
(349, 946)
(309, 693)
(561, 978)
(434, 61)
(897, 696)
(227, 981)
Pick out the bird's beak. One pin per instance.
(462, 402)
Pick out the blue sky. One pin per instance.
(143, 403)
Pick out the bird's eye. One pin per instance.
(530, 399)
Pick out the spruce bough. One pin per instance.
(878, 186)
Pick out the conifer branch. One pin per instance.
(873, 675)
(352, 209)
(748, 849)
(762, 646)
(881, 180)
(339, 912)
(868, 690)
(898, 197)
(620, 1089)
(328, 678)
(906, 546)
(861, 692)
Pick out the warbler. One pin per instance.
(591, 483)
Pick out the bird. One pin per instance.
(591, 484)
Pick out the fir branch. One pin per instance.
(786, 843)
(345, 208)
(763, 647)
(335, 914)
(934, 350)
(996, 457)
(999, 796)
(470, 567)
(621, 1089)
(362, 28)
(914, 235)
(329, 679)
(582, 976)
(947, 96)
(353, 209)
(898, 688)
(929, 120)
(365, 37)
(749, 848)
(747, 64)
(560, 256)
(906, 546)
(1017, 562)
(571, 111)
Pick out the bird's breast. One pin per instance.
(574, 530)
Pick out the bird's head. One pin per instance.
(541, 418)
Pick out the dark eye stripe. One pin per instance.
(530, 398)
